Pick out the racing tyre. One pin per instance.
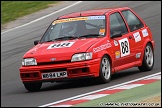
(105, 70)
(148, 59)
(33, 86)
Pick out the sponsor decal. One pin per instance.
(137, 37)
(77, 19)
(124, 47)
(69, 20)
(115, 43)
(96, 17)
(102, 47)
(117, 54)
(144, 33)
(138, 55)
(61, 45)
(102, 32)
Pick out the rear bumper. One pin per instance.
(74, 70)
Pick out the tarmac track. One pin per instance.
(15, 43)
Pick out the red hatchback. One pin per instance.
(93, 43)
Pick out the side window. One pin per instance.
(117, 24)
(133, 22)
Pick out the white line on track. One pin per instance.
(74, 97)
(43, 17)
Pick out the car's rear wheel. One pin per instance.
(148, 59)
(105, 70)
(33, 86)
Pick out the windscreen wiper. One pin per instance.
(50, 40)
(90, 35)
(66, 37)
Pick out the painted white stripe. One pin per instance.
(74, 97)
(129, 86)
(91, 97)
(155, 77)
(61, 106)
(43, 17)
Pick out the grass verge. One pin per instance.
(137, 95)
(11, 10)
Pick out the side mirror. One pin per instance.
(36, 42)
(116, 35)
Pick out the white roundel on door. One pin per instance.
(124, 47)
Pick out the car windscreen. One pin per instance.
(75, 27)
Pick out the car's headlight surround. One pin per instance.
(81, 56)
(29, 61)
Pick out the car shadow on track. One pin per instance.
(88, 82)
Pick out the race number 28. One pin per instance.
(124, 47)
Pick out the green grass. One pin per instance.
(11, 10)
(132, 95)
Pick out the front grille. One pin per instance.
(55, 62)
(54, 70)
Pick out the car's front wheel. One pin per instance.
(105, 70)
(148, 59)
(33, 86)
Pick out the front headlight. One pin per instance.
(29, 61)
(81, 57)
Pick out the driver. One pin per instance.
(68, 28)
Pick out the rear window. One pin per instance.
(133, 21)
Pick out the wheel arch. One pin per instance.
(145, 65)
(110, 58)
(148, 42)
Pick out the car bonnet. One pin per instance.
(61, 50)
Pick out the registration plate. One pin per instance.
(54, 75)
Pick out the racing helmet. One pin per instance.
(68, 27)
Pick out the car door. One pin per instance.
(137, 30)
(123, 54)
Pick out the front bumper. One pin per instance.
(89, 68)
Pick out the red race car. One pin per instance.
(93, 43)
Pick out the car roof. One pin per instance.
(92, 12)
